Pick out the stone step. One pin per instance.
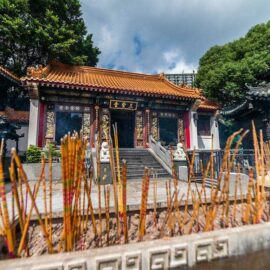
(139, 175)
(137, 160)
(143, 165)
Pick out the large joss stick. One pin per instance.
(144, 198)
(90, 207)
(107, 209)
(155, 201)
(115, 192)
(7, 225)
(15, 193)
(120, 193)
(26, 225)
(124, 183)
(45, 201)
(99, 213)
(50, 194)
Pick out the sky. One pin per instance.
(170, 36)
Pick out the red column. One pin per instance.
(187, 130)
(41, 121)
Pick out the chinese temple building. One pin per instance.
(254, 107)
(64, 98)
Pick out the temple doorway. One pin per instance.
(125, 125)
(168, 131)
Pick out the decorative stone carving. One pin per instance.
(181, 131)
(50, 267)
(210, 249)
(154, 128)
(159, 259)
(148, 121)
(105, 124)
(104, 152)
(179, 154)
(179, 256)
(204, 251)
(113, 263)
(139, 128)
(133, 261)
(50, 126)
(86, 125)
(221, 248)
(77, 266)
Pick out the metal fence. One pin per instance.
(244, 159)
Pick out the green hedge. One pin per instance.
(33, 154)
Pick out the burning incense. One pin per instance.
(115, 192)
(7, 225)
(107, 209)
(124, 197)
(144, 198)
(45, 201)
(35, 192)
(99, 212)
(155, 201)
(120, 192)
(50, 194)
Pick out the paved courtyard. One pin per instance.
(134, 188)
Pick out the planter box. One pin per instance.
(170, 253)
(33, 170)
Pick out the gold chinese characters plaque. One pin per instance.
(123, 105)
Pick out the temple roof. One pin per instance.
(60, 75)
(9, 75)
(209, 105)
(261, 91)
(15, 116)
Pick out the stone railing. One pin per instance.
(161, 153)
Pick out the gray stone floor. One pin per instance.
(133, 195)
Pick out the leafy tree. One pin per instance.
(37, 31)
(224, 70)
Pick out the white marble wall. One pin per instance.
(33, 122)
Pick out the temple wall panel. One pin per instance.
(139, 128)
(86, 124)
(105, 124)
(50, 124)
(155, 125)
(181, 129)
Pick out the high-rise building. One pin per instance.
(182, 78)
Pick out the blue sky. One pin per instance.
(170, 36)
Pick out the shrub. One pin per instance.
(33, 154)
(55, 153)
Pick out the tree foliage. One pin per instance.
(224, 70)
(37, 31)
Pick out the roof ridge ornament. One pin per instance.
(37, 71)
(162, 76)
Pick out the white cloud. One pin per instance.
(156, 35)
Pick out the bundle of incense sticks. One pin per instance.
(73, 154)
(144, 198)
